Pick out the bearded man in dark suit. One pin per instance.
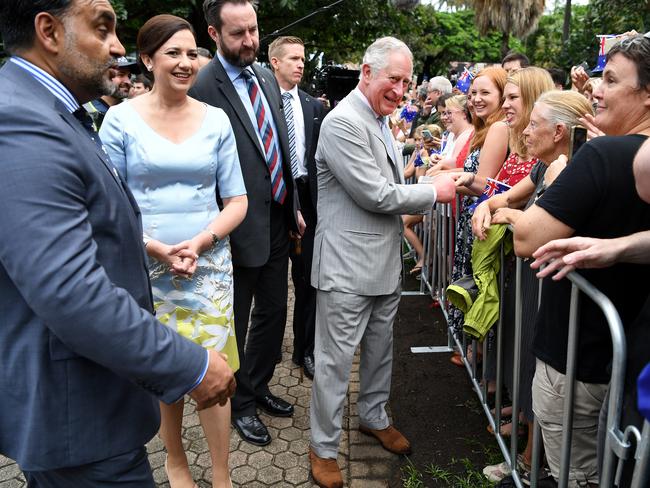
(250, 96)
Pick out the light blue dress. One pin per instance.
(175, 187)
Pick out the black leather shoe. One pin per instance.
(308, 367)
(275, 406)
(252, 430)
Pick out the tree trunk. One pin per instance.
(566, 26)
(505, 44)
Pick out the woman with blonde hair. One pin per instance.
(522, 89)
(547, 136)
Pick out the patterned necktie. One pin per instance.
(288, 115)
(86, 120)
(265, 130)
(388, 137)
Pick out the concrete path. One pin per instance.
(284, 462)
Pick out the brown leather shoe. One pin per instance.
(325, 471)
(390, 438)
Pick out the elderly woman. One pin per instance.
(547, 139)
(593, 197)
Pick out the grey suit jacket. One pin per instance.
(83, 360)
(361, 197)
(250, 241)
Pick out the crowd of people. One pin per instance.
(549, 189)
(152, 207)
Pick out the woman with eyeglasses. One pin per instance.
(458, 121)
(594, 196)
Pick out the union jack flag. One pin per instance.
(492, 187)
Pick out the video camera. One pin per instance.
(335, 82)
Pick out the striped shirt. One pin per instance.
(48, 81)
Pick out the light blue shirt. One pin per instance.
(234, 73)
(48, 81)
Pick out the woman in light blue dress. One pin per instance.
(176, 154)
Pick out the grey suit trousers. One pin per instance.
(343, 322)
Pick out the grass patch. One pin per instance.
(459, 473)
(411, 477)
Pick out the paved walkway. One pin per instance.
(284, 462)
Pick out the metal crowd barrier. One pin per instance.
(437, 233)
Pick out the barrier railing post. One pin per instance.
(516, 360)
(617, 443)
(641, 475)
(537, 432)
(569, 397)
(498, 400)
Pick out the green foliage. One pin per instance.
(412, 478)
(436, 37)
(132, 14)
(470, 476)
(545, 47)
(459, 473)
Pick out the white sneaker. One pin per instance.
(497, 472)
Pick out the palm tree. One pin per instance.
(516, 17)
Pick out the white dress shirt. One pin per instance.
(299, 126)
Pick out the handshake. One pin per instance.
(444, 185)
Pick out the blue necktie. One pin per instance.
(388, 138)
(288, 115)
(265, 130)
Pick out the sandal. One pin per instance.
(505, 428)
(457, 359)
(543, 473)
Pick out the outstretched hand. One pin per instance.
(562, 256)
(445, 188)
(463, 179)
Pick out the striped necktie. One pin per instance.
(265, 130)
(288, 115)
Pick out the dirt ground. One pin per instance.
(432, 401)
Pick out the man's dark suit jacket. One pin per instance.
(313, 113)
(250, 242)
(83, 360)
